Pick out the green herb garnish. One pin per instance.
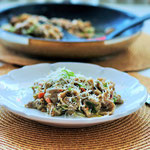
(105, 84)
(98, 81)
(115, 99)
(69, 89)
(68, 74)
(80, 85)
(31, 29)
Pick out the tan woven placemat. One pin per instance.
(6, 68)
(131, 132)
(137, 57)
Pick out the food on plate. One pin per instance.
(41, 26)
(64, 93)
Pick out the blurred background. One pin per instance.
(87, 1)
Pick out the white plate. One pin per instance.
(15, 92)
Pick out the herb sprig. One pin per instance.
(80, 85)
(67, 74)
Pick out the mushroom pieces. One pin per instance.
(58, 111)
(107, 107)
(70, 101)
(91, 107)
(38, 104)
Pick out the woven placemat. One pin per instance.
(131, 132)
(137, 57)
(6, 68)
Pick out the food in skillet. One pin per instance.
(82, 29)
(40, 26)
(36, 26)
(64, 93)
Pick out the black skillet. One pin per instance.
(101, 17)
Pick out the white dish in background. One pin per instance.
(15, 92)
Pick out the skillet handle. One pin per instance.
(125, 27)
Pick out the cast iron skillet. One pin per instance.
(101, 17)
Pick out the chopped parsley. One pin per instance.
(31, 29)
(115, 99)
(105, 84)
(69, 89)
(80, 85)
(68, 74)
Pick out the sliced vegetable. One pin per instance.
(41, 95)
(48, 100)
(87, 108)
(82, 89)
(60, 90)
